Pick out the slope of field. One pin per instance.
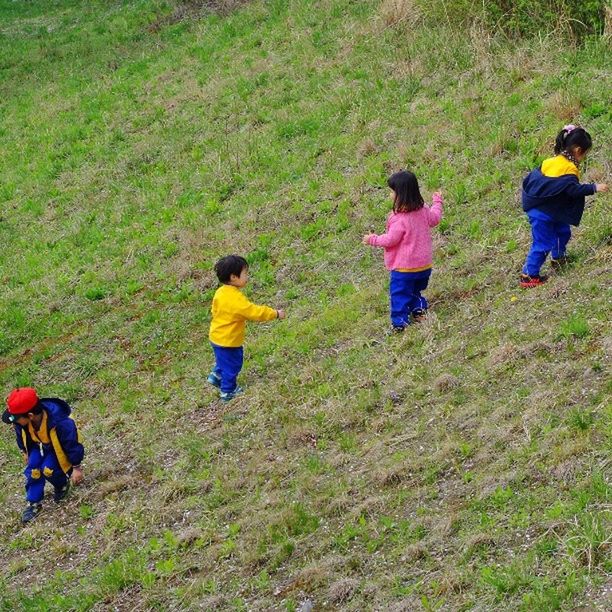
(460, 466)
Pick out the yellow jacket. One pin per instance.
(230, 310)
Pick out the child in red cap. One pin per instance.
(50, 443)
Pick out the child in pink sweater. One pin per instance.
(408, 247)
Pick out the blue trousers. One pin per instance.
(405, 294)
(39, 470)
(228, 365)
(548, 237)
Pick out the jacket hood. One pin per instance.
(536, 185)
(57, 408)
(559, 166)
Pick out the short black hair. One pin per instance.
(407, 194)
(570, 139)
(232, 264)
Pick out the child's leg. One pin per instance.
(400, 292)
(52, 471)
(35, 483)
(544, 239)
(419, 302)
(229, 364)
(564, 233)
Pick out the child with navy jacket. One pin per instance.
(50, 443)
(553, 199)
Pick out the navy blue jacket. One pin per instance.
(62, 430)
(560, 197)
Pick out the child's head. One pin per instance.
(23, 407)
(574, 140)
(232, 270)
(406, 195)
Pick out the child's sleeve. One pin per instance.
(19, 439)
(393, 235)
(68, 437)
(254, 312)
(434, 213)
(577, 189)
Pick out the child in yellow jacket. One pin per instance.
(230, 311)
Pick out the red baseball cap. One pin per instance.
(22, 400)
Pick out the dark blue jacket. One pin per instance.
(560, 197)
(65, 441)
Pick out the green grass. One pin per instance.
(459, 466)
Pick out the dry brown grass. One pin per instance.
(563, 105)
(342, 590)
(395, 12)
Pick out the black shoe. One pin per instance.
(30, 512)
(396, 329)
(60, 494)
(420, 314)
(560, 263)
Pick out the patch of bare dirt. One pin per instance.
(194, 9)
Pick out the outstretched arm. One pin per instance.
(434, 214)
(256, 312)
(576, 189)
(391, 238)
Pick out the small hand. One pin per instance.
(77, 475)
(281, 313)
(366, 238)
(601, 187)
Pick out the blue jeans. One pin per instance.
(40, 469)
(548, 237)
(405, 293)
(228, 365)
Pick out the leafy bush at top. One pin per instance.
(519, 17)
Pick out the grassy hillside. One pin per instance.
(461, 466)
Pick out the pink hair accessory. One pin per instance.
(569, 128)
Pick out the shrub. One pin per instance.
(520, 17)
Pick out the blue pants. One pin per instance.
(405, 293)
(548, 237)
(40, 469)
(228, 365)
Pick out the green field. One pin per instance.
(463, 465)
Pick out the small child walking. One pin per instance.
(408, 247)
(230, 310)
(553, 199)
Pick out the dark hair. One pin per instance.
(570, 137)
(406, 188)
(232, 264)
(11, 419)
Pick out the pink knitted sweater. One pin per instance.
(407, 241)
